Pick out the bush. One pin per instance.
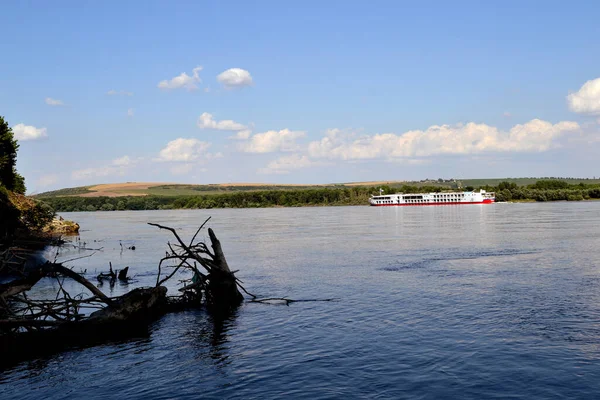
(574, 197)
(9, 178)
(550, 184)
(10, 214)
(594, 193)
(107, 207)
(504, 195)
(37, 217)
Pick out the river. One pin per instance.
(470, 302)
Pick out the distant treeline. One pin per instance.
(546, 190)
(357, 195)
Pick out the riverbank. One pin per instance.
(348, 196)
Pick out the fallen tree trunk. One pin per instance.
(222, 285)
(31, 327)
(25, 322)
(219, 285)
(140, 303)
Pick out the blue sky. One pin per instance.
(309, 92)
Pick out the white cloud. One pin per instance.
(285, 164)
(206, 121)
(54, 102)
(536, 135)
(118, 166)
(235, 78)
(587, 99)
(185, 150)
(122, 161)
(119, 93)
(507, 114)
(183, 81)
(47, 180)
(533, 136)
(130, 112)
(241, 135)
(271, 141)
(28, 132)
(333, 138)
(96, 172)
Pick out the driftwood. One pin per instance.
(218, 285)
(28, 324)
(111, 276)
(32, 327)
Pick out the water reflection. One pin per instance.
(36, 351)
(208, 335)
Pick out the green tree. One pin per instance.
(550, 184)
(10, 215)
(38, 216)
(504, 195)
(9, 177)
(507, 185)
(107, 207)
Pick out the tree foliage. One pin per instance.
(9, 178)
(10, 219)
(547, 190)
(551, 184)
(37, 217)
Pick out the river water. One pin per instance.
(470, 302)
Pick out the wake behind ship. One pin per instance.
(433, 199)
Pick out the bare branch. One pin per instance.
(79, 279)
(198, 231)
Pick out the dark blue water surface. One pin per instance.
(470, 302)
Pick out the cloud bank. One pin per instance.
(186, 150)
(272, 141)
(471, 138)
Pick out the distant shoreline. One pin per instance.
(179, 189)
(251, 197)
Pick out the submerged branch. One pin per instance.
(287, 301)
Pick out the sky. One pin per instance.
(300, 91)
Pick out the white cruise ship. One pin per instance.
(433, 199)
